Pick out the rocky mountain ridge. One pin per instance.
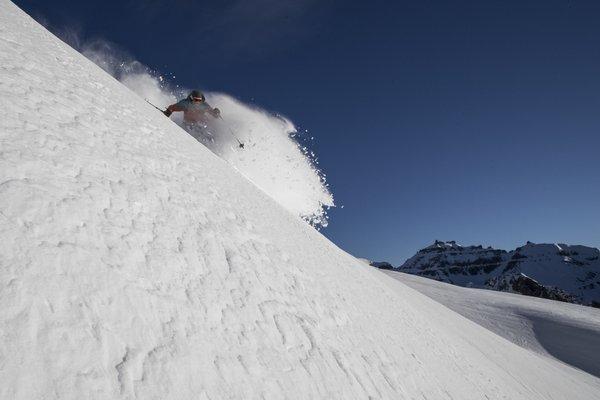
(561, 272)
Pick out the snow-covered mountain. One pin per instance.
(553, 271)
(136, 264)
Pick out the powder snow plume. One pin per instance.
(272, 157)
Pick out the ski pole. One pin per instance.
(154, 106)
(241, 145)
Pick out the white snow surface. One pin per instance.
(568, 332)
(136, 264)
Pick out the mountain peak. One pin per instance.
(564, 272)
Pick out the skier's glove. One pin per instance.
(168, 112)
(216, 112)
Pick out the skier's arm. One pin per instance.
(215, 112)
(174, 107)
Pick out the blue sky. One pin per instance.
(466, 120)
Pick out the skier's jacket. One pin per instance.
(193, 111)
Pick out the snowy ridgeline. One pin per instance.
(134, 263)
(552, 271)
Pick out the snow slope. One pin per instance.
(568, 332)
(134, 263)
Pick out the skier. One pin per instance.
(195, 109)
(197, 113)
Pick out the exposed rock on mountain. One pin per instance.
(552, 271)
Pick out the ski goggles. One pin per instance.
(197, 99)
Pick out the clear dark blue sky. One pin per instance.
(477, 121)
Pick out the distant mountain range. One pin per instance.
(552, 271)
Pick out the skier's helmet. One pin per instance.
(196, 95)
